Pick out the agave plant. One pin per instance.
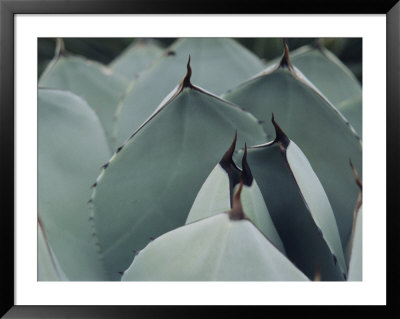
(139, 178)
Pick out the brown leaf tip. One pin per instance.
(60, 48)
(317, 274)
(227, 158)
(186, 80)
(285, 60)
(247, 176)
(280, 135)
(229, 166)
(356, 176)
(236, 213)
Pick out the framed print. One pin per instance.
(161, 151)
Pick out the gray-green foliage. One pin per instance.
(215, 248)
(168, 176)
(136, 58)
(314, 124)
(48, 266)
(71, 148)
(219, 63)
(98, 85)
(136, 183)
(299, 207)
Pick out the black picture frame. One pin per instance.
(8, 10)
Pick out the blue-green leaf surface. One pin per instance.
(71, 148)
(215, 197)
(136, 58)
(48, 268)
(333, 79)
(355, 266)
(218, 64)
(100, 86)
(214, 248)
(299, 208)
(315, 125)
(149, 185)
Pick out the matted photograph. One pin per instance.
(199, 159)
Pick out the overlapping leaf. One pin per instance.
(219, 247)
(299, 207)
(98, 85)
(220, 64)
(71, 147)
(314, 125)
(333, 79)
(355, 244)
(355, 266)
(215, 196)
(136, 58)
(48, 268)
(149, 185)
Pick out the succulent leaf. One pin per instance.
(257, 211)
(216, 193)
(333, 79)
(65, 171)
(299, 207)
(352, 111)
(148, 186)
(355, 244)
(316, 127)
(215, 196)
(100, 86)
(136, 58)
(219, 63)
(355, 265)
(214, 248)
(48, 268)
(171, 202)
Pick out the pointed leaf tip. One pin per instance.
(227, 158)
(246, 176)
(60, 47)
(186, 80)
(356, 176)
(236, 213)
(280, 135)
(285, 60)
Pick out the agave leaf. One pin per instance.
(214, 248)
(99, 85)
(327, 72)
(333, 79)
(48, 267)
(355, 243)
(215, 196)
(315, 125)
(355, 266)
(148, 186)
(71, 148)
(136, 58)
(219, 63)
(299, 207)
(257, 211)
(352, 111)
